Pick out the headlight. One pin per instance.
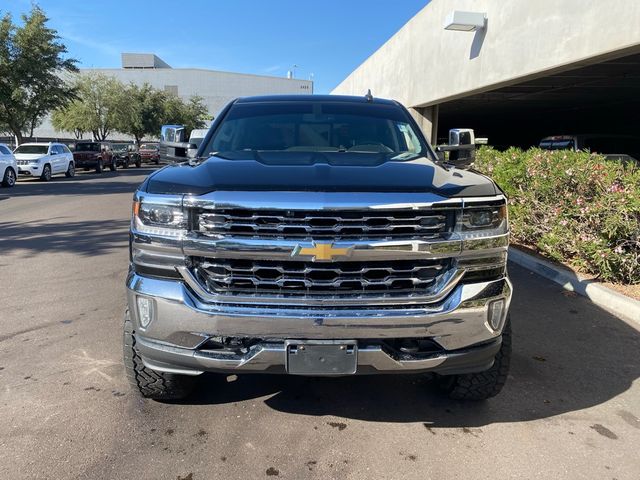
(484, 218)
(483, 221)
(159, 216)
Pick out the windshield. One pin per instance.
(316, 127)
(87, 147)
(39, 149)
(119, 147)
(146, 146)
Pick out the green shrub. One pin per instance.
(574, 207)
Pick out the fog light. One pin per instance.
(496, 315)
(145, 311)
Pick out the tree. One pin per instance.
(192, 115)
(142, 112)
(71, 119)
(32, 64)
(97, 108)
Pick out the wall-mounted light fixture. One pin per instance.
(465, 21)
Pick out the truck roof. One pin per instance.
(314, 98)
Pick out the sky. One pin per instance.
(326, 39)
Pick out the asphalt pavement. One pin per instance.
(570, 409)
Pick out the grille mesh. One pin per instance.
(301, 224)
(223, 276)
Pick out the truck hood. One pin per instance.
(326, 172)
(29, 156)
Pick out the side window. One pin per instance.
(66, 149)
(53, 150)
(4, 150)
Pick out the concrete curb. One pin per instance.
(626, 308)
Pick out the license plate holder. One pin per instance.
(321, 357)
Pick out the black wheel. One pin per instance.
(481, 385)
(151, 384)
(113, 165)
(125, 163)
(9, 179)
(99, 167)
(71, 170)
(138, 163)
(46, 173)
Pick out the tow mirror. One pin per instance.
(192, 150)
(461, 148)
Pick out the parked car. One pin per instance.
(8, 166)
(149, 153)
(126, 154)
(318, 235)
(94, 155)
(44, 160)
(624, 148)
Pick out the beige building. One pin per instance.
(534, 68)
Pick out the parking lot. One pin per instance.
(569, 410)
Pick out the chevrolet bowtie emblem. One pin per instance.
(320, 251)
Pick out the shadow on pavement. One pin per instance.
(87, 238)
(81, 184)
(568, 355)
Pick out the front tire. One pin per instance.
(46, 173)
(9, 179)
(113, 165)
(481, 385)
(151, 384)
(71, 170)
(99, 167)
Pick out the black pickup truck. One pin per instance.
(317, 235)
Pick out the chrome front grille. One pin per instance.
(251, 277)
(335, 225)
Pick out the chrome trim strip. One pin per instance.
(257, 200)
(363, 250)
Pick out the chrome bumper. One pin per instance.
(182, 323)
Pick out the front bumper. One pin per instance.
(175, 339)
(32, 170)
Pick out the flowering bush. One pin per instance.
(574, 207)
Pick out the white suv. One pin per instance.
(8, 166)
(44, 160)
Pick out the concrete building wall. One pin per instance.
(215, 87)
(424, 65)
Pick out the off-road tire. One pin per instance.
(71, 171)
(46, 173)
(138, 163)
(99, 167)
(481, 385)
(125, 163)
(151, 384)
(113, 165)
(10, 177)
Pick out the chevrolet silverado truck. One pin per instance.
(317, 235)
